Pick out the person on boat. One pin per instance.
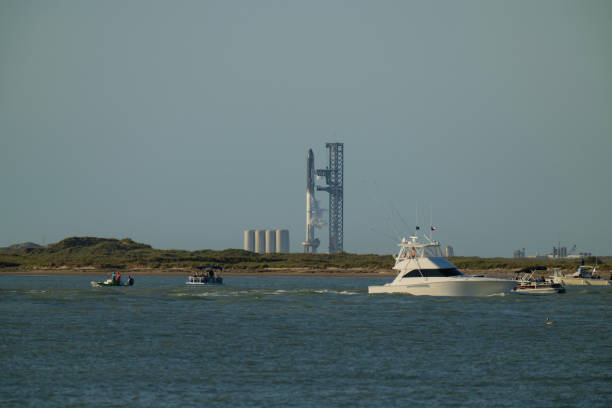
(114, 276)
(118, 279)
(413, 253)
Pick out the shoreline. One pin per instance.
(271, 272)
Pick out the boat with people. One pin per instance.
(585, 275)
(530, 285)
(423, 270)
(114, 280)
(206, 275)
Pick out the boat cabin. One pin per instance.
(422, 260)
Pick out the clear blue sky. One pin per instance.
(182, 123)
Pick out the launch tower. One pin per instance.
(334, 177)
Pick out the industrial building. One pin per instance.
(449, 251)
(267, 241)
(558, 252)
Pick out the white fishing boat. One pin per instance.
(423, 270)
(586, 275)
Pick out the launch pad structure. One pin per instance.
(334, 177)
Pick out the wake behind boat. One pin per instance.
(423, 270)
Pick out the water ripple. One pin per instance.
(303, 342)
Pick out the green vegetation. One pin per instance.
(516, 264)
(103, 253)
(79, 252)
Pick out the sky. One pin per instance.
(182, 123)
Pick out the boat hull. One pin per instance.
(457, 287)
(571, 281)
(101, 284)
(203, 283)
(537, 291)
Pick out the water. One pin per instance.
(296, 342)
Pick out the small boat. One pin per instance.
(206, 275)
(113, 282)
(585, 275)
(423, 270)
(528, 285)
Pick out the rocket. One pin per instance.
(309, 196)
(310, 172)
(311, 243)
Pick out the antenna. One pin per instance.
(416, 216)
(394, 239)
(430, 224)
(396, 212)
(389, 217)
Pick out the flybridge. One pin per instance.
(414, 249)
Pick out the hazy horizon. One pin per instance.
(181, 124)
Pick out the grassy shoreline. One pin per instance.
(276, 272)
(99, 256)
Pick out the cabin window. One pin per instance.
(433, 252)
(432, 273)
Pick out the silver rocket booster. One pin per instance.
(310, 172)
(311, 243)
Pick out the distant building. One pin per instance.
(519, 253)
(260, 241)
(559, 252)
(536, 256)
(249, 240)
(267, 241)
(449, 251)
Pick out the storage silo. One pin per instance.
(270, 241)
(260, 241)
(282, 241)
(249, 240)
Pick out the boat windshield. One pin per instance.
(420, 252)
(432, 273)
(432, 252)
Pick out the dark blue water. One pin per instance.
(303, 342)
